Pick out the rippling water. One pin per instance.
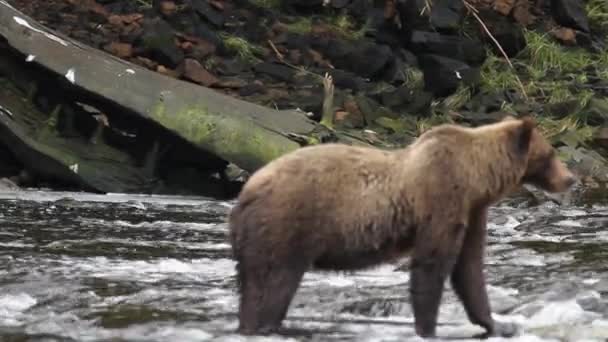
(77, 267)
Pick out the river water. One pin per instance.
(81, 267)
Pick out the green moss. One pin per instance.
(342, 25)
(245, 50)
(237, 141)
(301, 25)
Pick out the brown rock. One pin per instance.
(522, 14)
(167, 8)
(195, 72)
(317, 57)
(565, 35)
(148, 63)
(187, 46)
(115, 20)
(295, 56)
(132, 18)
(166, 71)
(203, 49)
(276, 93)
(351, 115)
(122, 50)
(504, 7)
(340, 116)
(218, 5)
(230, 84)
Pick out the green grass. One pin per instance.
(245, 50)
(549, 72)
(597, 11)
(343, 25)
(267, 3)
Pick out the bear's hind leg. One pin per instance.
(266, 293)
(435, 252)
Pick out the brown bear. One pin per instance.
(341, 207)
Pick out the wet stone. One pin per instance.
(366, 59)
(463, 49)
(206, 11)
(570, 13)
(442, 75)
(509, 34)
(157, 40)
(277, 71)
(446, 15)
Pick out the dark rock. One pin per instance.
(347, 80)
(189, 23)
(408, 57)
(157, 41)
(463, 49)
(386, 33)
(570, 13)
(509, 35)
(476, 119)
(303, 5)
(410, 15)
(407, 101)
(310, 101)
(360, 9)
(207, 12)
(252, 88)
(232, 67)
(420, 105)
(274, 70)
(372, 110)
(167, 8)
(296, 41)
(394, 73)
(395, 98)
(442, 75)
(339, 3)
(366, 59)
(446, 15)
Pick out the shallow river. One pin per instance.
(78, 267)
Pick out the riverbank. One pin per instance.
(396, 72)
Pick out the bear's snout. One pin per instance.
(563, 179)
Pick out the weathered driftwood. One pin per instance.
(240, 132)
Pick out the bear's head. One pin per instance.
(544, 169)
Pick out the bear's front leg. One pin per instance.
(435, 252)
(467, 278)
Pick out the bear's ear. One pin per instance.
(523, 134)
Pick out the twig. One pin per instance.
(474, 11)
(327, 118)
(282, 60)
(276, 51)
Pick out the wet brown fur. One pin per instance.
(339, 207)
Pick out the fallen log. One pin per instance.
(221, 128)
